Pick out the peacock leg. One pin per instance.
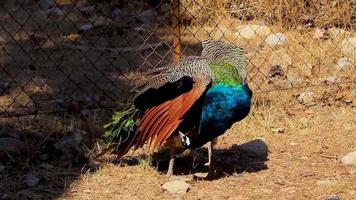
(211, 159)
(210, 146)
(171, 163)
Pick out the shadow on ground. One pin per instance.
(247, 157)
(41, 166)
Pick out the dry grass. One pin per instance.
(290, 13)
(315, 136)
(303, 161)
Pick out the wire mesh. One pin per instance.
(56, 53)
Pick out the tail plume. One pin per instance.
(121, 131)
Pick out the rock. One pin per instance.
(30, 180)
(281, 59)
(147, 16)
(326, 183)
(140, 30)
(46, 4)
(349, 159)
(257, 147)
(123, 14)
(46, 166)
(277, 130)
(319, 34)
(348, 47)
(55, 11)
(176, 187)
(88, 10)
(70, 141)
(81, 3)
(331, 79)
(100, 21)
(294, 79)
(333, 197)
(275, 72)
(85, 27)
(306, 97)
(293, 143)
(252, 31)
(337, 34)
(11, 145)
(276, 39)
(5, 86)
(344, 63)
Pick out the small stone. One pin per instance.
(277, 130)
(140, 30)
(276, 39)
(176, 187)
(319, 34)
(344, 63)
(81, 3)
(30, 180)
(293, 144)
(85, 27)
(45, 4)
(326, 183)
(306, 97)
(11, 145)
(251, 31)
(257, 147)
(70, 141)
(349, 159)
(100, 21)
(279, 181)
(46, 166)
(147, 16)
(275, 71)
(333, 197)
(280, 61)
(88, 10)
(200, 175)
(331, 80)
(294, 79)
(55, 11)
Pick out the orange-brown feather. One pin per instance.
(160, 122)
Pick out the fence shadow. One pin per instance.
(40, 166)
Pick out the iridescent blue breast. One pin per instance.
(224, 104)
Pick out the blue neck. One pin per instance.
(224, 104)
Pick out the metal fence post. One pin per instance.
(176, 30)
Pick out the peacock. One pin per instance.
(186, 105)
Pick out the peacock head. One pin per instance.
(185, 140)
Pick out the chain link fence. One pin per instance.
(56, 54)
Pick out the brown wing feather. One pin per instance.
(156, 130)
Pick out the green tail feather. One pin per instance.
(122, 127)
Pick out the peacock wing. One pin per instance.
(161, 120)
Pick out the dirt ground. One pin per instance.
(49, 63)
(303, 160)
